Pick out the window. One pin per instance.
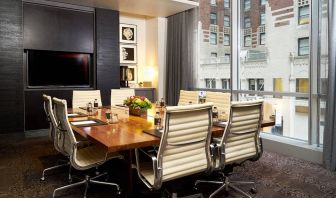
(226, 39)
(213, 38)
(303, 15)
(225, 83)
(247, 41)
(302, 85)
(210, 83)
(303, 49)
(213, 55)
(226, 3)
(262, 38)
(247, 22)
(256, 84)
(213, 18)
(247, 5)
(262, 19)
(277, 84)
(213, 2)
(226, 21)
(263, 2)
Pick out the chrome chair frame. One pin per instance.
(158, 160)
(220, 152)
(47, 107)
(67, 131)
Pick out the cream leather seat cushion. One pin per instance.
(92, 155)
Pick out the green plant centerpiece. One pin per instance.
(138, 105)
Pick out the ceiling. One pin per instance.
(152, 8)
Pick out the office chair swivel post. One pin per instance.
(88, 180)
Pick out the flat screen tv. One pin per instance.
(58, 69)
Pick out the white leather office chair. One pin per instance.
(119, 95)
(188, 96)
(240, 142)
(80, 98)
(47, 106)
(221, 101)
(184, 148)
(80, 158)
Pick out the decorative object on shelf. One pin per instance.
(132, 74)
(128, 33)
(141, 84)
(128, 54)
(123, 76)
(138, 105)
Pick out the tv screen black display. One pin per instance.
(65, 69)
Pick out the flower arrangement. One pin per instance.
(138, 102)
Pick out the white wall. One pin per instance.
(151, 49)
(140, 22)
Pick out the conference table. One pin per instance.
(125, 135)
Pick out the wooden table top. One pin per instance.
(127, 133)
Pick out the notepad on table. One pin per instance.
(85, 122)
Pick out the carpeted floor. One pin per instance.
(23, 159)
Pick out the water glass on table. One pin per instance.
(108, 115)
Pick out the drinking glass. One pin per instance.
(108, 115)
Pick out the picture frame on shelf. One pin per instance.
(128, 33)
(132, 74)
(128, 54)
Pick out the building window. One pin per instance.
(213, 18)
(213, 55)
(226, 21)
(256, 84)
(302, 85)
(226, 39)
(226, 83)
(210, 83)
(262, 19)
(303, 15)
(247, 41)
(213, 2)
(247, 22)
(247, 5)
(263, 2)
(213, 38)
(226, 3)
(303, 49)
(277, 84)
(262, 38)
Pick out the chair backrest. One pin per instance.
(185, 143)
(220, 100)
(241, 139)
(47, 107)
(188, 96)
(119, 95)
(65, 134)
(80, 98)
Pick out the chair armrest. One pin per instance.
(156, 169)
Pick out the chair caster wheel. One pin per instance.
(119, 192)
(195, 188)
(42, 179)
(253, 190)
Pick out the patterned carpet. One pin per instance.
(23, 159)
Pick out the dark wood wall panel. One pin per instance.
(34, 114)
(11, 72)
(108, 65)
(58, 29)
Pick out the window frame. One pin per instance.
(261, 39)
(228, 42)
(301, 17)
(300, 47)
(227, 21)
(227, 2)
(215, 19)
(213, 33)
(247, 8)
(249, 22)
